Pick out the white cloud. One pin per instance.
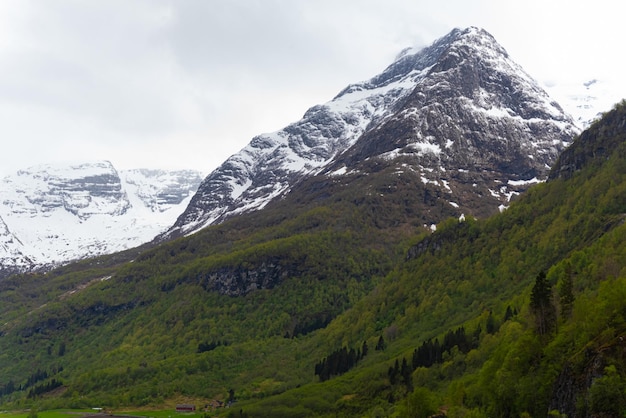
(185, 83)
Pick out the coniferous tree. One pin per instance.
(405, 372)
(392, 375)
(380, 346)
(364, 349)
(393, 372)
(416, 359)
(352, 358)
(508, 314)
(541, 305)
(566, 294)
(437, 352)
(491, 324)
(476, 337)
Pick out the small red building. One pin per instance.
(185, 408)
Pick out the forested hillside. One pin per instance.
(336, 301)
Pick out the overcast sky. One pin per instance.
(186, 83)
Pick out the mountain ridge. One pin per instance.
(356, 118)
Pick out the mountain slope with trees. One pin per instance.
(329, 306)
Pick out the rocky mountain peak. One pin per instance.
(459, 111)
(467, 73)
(445, 52)
(476, 124)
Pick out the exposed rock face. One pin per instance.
(237, 281)
(594, 145)
(475, 125)
(13, 253)
(459, 113)
(55, 214)
(570, 393)
(160, 190)
(272, 163)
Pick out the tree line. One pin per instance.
(206, 346)
(431, 352)
(35, 377)
(339, 362)
(44, 388)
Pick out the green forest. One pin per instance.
(343, 304)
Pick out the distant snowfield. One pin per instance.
(586, 100)
(53, 214)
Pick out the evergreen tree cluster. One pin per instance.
(306, 327)
(206, 346)
(339, 362)
(44, 388)
(8, 388)
(38, 376)
(401, 374)
(431, 352)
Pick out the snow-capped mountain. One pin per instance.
(459, 112)
(587, 100)
(52, 214)
(478, 128)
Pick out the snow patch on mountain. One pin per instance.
(460, 103)
(267, 166)
(53, 214)
(587, 100)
